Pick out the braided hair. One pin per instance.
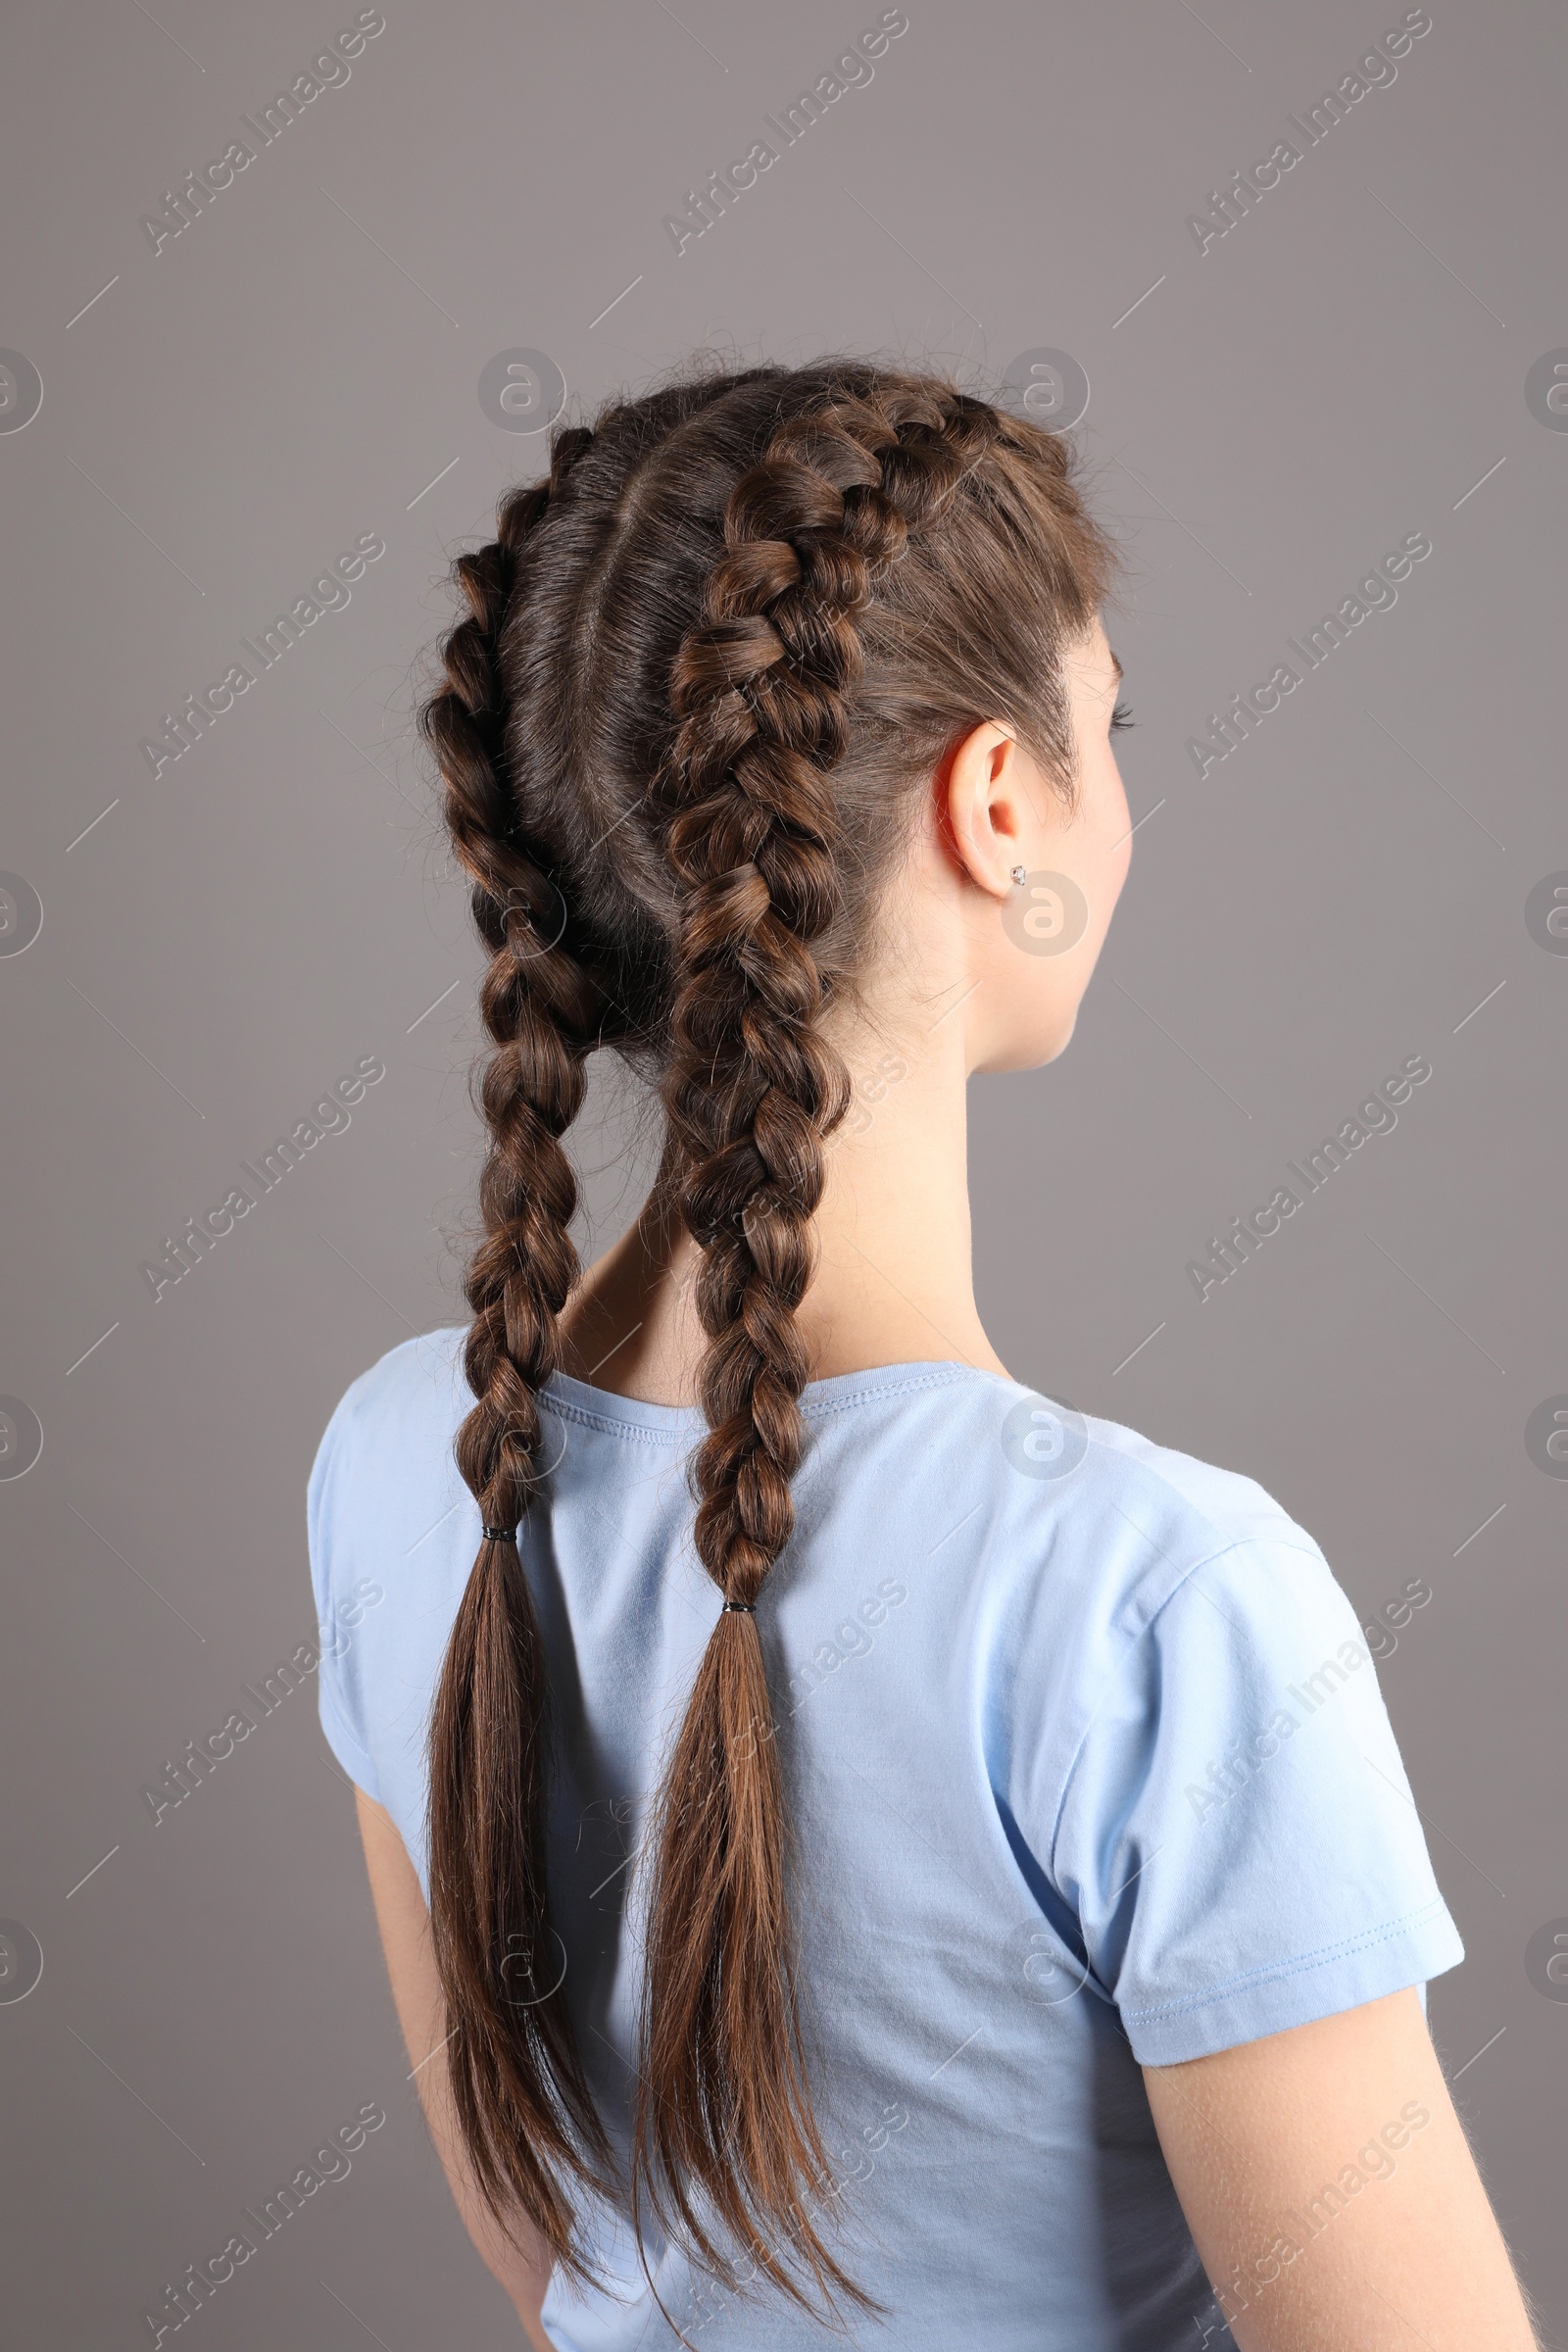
(682, 729)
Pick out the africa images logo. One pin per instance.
(199, 1236)
(1376, 1115)
(852, 70)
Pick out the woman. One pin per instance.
(899, 1856)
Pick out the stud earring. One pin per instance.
(1019, 873)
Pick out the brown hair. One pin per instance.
(707, 662)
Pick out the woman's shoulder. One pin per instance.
(412, 1386)
(1212, 1508)
(1143, 1524)
(387, 1446)
(1046, 1493)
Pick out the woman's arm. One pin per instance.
(1332, 2193)
(405, 1925)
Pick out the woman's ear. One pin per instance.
(985, 807)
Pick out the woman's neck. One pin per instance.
(893, 1282)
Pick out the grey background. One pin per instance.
(1340, 894)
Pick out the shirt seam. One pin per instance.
(328, 1702)
(817, 1409)
(1301, 1965)
(1240, 1543)
(813, 1409)
(643, 1431)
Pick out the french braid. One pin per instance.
(517, 2085)
(706, 665)
(761, 689)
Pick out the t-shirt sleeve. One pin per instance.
(342, 1596)
(1238, 1836)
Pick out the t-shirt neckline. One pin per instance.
(839, 1392)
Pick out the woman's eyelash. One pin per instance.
(1121, 716)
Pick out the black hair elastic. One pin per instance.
(749, 1606)
(500, 1535)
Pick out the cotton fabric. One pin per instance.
(1086, 1767)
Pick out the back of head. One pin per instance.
(709, 663)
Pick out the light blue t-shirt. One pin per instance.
(1086, 1768)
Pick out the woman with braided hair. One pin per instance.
(860, 1848)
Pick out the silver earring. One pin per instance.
(1019, 873)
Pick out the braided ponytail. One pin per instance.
(518, 2090)
(761, 689)
(731, 635)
